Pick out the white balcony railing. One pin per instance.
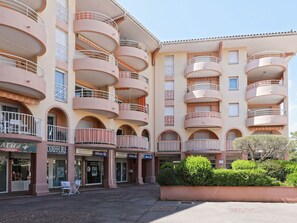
(88, 93)
(266, 54)
(21, 63)
(19, 123)
(261, 112)
(133, 107)
(169, 146)
(199, 59)
(135, 44)
(24, 9)
(96, 16)
(203, 114)
(62, 12)
(94, 54)
(169, 120)
(197, 87)
(169, 94)
(266, 83)
(57, 133)
(61, 52)
(61, 92)
(203, 144)
(95, 136)
(132, 142)
(132, 75)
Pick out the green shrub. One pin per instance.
(223, 177)
(243, 165)
(167, 165)
(167, 177)
(194, 171)
(290, 167)
(292, 179)
(273, 169)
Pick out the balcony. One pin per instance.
(57, 133)
(21, 76)
(203, 93)
(266, 65)
(134, 54)
(98, 68)
(19, 126)
(137, 84)
(203, 66)
(98, 28)
(22, 31)
(266, 117)
(137, 114)
(266, 92)
(37, 5)
(203, 146)
(229, 146)
(93, 137)
(207, 119)
(169, 146)
(132, 143)
(100, 102)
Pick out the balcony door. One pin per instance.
(202, 108)
(51, 123)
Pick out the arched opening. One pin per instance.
(57, 126)
(90, 122)
(169, 141)
(203, 135)
(126, 130)
(231, 135)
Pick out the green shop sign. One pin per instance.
(18, 147)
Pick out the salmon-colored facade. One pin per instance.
(91, 94)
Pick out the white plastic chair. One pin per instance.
(76, 186)
(66, 188)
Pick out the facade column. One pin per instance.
(244, 156)
(139, 179)
(109, 170)
(221, 160)
(70, 163)
(150, 171)
(39, 184)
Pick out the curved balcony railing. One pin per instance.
(96, 16)
(19, 123)
(133, 75)
(203, 144)
(203, 114)
(197, 87)
(135, 44)
(95, 136)
(87, 93)
(21, 63)
(203, 59)
(261, 112)
(96, 55)
(265, 83)
(57, 133)
(132, 142)
(133, 107)
(24, 9)
(169, 146)
(266, 54)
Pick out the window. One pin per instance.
(233, 57)
(202, 108)
(62, 10)
(61, 45)
(169, 85)
(60, 86)
(233, 83)
(233, 110)
(169, 111)
(169, 65)
(169, 116)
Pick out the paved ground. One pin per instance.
(137, 204)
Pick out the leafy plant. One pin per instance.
(292, 179)
(167, 177)
(243, 165)
(273, 169)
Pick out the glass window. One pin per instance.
(169, 85)
(169, 65)
(169, 111)
(202, 108)
(233, 57)
(233, 83)
(233, 109)
(61, 45)
(60, 86)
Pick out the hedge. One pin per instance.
(243, 165)
(292, 179)
(167, 177)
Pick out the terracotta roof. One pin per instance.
(260, 35)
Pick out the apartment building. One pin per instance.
(87, 92)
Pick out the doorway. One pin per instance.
(3, 174)
(121, 171)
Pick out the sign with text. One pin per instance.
(56, 149)
(132, 156)
(18, 147)
(147, 157)
(100, 153)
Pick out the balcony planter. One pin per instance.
(229, 193)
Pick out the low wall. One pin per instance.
(229, 193)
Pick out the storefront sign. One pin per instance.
(121, 155)
(132, 156)
(18, 147)
(100, 153)
(55, 149)
(147, 156)
(84, 152)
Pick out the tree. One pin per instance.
(264, 146)
(293, 147)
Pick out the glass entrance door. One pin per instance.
(56, 172)
(121, 171)
(93, 172)
(3, 174)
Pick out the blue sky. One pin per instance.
(187, 19)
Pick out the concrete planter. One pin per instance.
(229, 193)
